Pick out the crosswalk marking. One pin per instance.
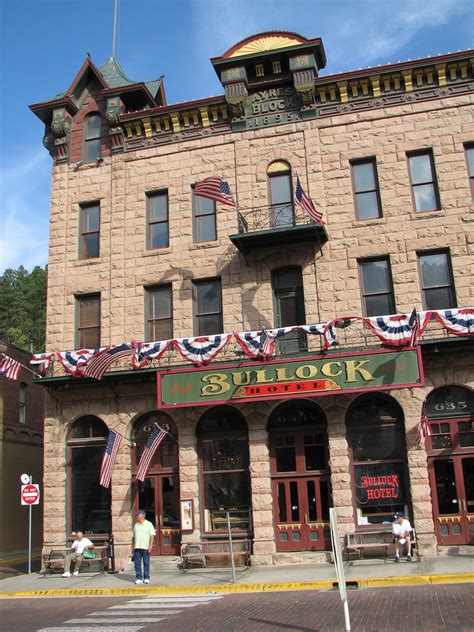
(127, 613)
(123, 628)
(142, 611)
(141, 606)
(118, 622)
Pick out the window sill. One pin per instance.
(153, 252)
(87, 262)
(204, 245)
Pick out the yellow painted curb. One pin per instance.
(408, 580)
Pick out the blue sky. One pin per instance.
(44, 43)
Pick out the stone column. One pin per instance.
(339, 465)
(411, 400)
(262, 500)
(189, 472)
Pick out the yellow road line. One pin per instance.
(409, 580)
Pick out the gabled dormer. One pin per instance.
(82, 123)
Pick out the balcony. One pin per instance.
(278, 225)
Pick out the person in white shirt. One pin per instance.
(402, 531)
(75, 557)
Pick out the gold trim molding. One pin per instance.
(270, 42)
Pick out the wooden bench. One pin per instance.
(359, 542)
(53, 562)
(214, 553)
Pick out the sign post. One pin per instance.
(338, 563)
(30, 495)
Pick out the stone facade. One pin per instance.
(320, 150)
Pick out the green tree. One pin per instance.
(23, 308)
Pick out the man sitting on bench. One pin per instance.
(401, 530)
(75, 557)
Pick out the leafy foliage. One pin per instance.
(23, 308)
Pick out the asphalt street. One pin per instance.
(432, 608)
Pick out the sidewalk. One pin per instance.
(166, 578)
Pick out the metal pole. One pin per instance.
(231, 547)
(29, 537)
(115, 29)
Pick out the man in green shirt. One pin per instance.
(143, 535)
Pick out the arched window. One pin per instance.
(92, 137)
(280, 193)
(166, 455)
(225, 478)
(89, 502)
(22, 403)
(288, 303)
(378, 459)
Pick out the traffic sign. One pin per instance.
(30, 494)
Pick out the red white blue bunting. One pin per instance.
(330, 335)
(73, 361)
(459, 322)
(145, 352)
(397, 330)
(42, 362)
(202, 349)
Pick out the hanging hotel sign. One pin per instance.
(313, 376)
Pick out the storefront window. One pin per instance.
(89, 502)
(377, 442)
(224, 457)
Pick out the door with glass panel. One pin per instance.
(159, 497)
(450, 448)
(300, 479)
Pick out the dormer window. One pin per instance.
(92, 140)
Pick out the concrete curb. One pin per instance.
(325, 584)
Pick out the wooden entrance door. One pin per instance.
(301, 506)
(452, 484)
(300, 480)
(158, 495)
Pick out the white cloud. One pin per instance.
(24, 209)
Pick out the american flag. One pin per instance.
(110, 454)
(414, 324)
(98, 364)
(267, 344)
(214, 188)
(424, 429)
(305, 203)
(9, 367)
(156, 437)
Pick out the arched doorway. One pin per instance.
(88, 502)
(223, 448)
(300, 477)
(450, 449)
(377, 450)
(158, 494)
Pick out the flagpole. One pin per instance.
(155, 423)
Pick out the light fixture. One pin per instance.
(99, 161)
(78, 164)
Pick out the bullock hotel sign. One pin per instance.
(313, 376)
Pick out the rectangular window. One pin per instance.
(23, 399)
(159, 313)
(204, 212)
(423, 181)
(366, 189)
(377, 288)
(90, 231)
(157, 220)
(470, 166)
(207, 308)
(437, 280)
(88, 321)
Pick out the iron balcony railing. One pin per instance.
(276, 216)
